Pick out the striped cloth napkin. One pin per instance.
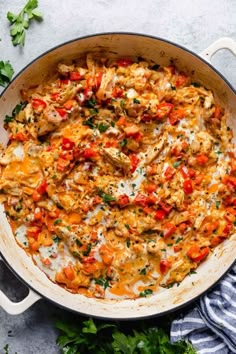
(211, 325)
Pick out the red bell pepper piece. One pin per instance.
(169, 173)
(196, 254)
(62, 113)
(176, 115)
(169, 229)
(89, 153)
(134, 162)
(201, 159)
(123, 200)
(75, 76)
(67, 144)
(187, 186)
(164, 266)
(164, 109)
(38, 103)
(160, 214)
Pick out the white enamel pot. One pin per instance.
(131, 45)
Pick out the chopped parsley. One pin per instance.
(91, 103)
(176, 164)
(106, 197)
(135, 100)
(89, 123)
(128, 243)
(195, 84)
(89, 247)
(123, 142)
(217, 204)
(102, 127)
(19, 107)
(143, 271)
(104, 282)
(57, 221)
(155, 67)
(146, 292)
(179, 239)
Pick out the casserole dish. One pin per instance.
(122, 45)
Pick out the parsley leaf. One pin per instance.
(106, 197)
(104, 282)
(102, 127)
(89, 123)
(19, 107)
(135, 100)
(20, 22)
(146, 292)
(6, 73)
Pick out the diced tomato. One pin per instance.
(67, 155)
(191, 173)
(20, 136)
(184, 171)
(164, 109)
(69, 272)
(177, 248)
(38, 104)
(67, 144)
(141, 199)
(75, 76)
(121, 122)
(147, 117)
(166, 207)
(227, 229)
(181, 80)
(169, 173)
(198, 179)
(89, 153)
(55, 96)
(111, 143)
(123, 200)
(46, 261)
(201, 159)
(38, 214)
(164, 266)
(97, 200)
(42, 188)
(151, 199)
(169, 229)
(196, 254)
(33, 231)
(134, 162)
(160, 215)
(150, 187)
(216, 240)
(187, 186)
(36, 196)
(230, 181)
(124, 62)
(176, 115)
(62, 113)
(182, 227)
(89, 259)
(217, 112)
(117, 92)
(229, 201)
(69, 104)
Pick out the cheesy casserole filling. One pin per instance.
(119, 176)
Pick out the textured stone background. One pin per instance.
(194, 24)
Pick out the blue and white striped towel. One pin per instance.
(211, 325)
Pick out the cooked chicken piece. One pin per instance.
(202, 143)
(64, 69)
(117, 158)
(107, 84)
(155, 247)
(154, 150)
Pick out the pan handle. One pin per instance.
(221, 43)
(16, 308)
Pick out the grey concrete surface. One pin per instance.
(194, 24)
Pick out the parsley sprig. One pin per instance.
(94, 336)
(6, 72)
(20, 22)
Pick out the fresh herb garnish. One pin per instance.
(102, 127)
(146, 292)
(123, 142)
(128, 243)
(143, 271)
(78, 243)
(179, 239)
(122, 103)
(96, 336)
(155, 67)
(135, 100)
(106, 197)
(89, 247)
(56, 239)
(20, 22)
(217, 204)
(89, 123)
(91, 103)
(57, 221)
(15, 111)
(6, 73)
(104, 282)
(176, 164)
